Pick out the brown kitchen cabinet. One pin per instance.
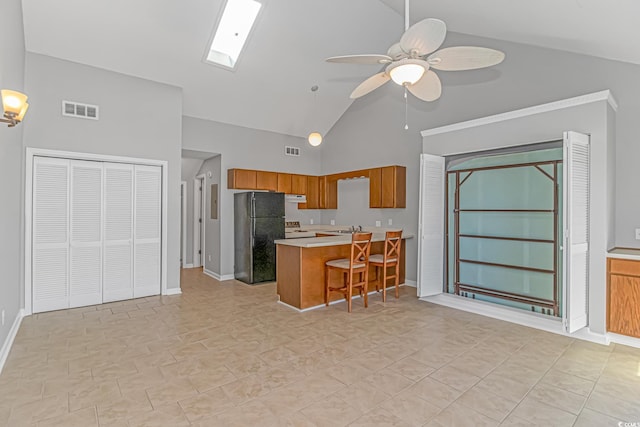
(298, 184)
(313, 194)
(241, 179)
(623, 297)
(388, 187)
(266, 181)
(284, 183)
(328, 193)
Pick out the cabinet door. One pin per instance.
(284, 183)
(267, 180)
(331, 195)
(313, 192)
(375, 188)
(298, 184)
(388, 186)
(241, 179)
(624, 305)
(322, 192)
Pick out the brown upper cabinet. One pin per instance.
(313, 194)
(266, 181)
(298, 184)
(241, 179)
(388, 187)
(284, 183)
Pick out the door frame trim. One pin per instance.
(32, 152)
(199, 201)
(183, 225)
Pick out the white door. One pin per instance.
(576, 230)
(147, 232)
(431, 225)
(85, 266)
(50, 234)
(118, 232)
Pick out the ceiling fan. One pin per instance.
(412, 60)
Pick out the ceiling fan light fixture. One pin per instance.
(407, 71)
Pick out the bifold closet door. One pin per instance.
(147, 234)
(50, 234)
(118, 232)
(85, 266)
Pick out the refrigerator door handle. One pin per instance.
(253, 207)
(253, 233)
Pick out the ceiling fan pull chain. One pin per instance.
(406, 110)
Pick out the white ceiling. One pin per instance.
(165, 41)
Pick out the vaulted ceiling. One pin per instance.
(166, 40)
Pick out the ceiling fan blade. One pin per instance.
(428, 88)
(372, 83)
(361, 59)
(424, 37)
(464, 58)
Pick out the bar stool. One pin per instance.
(390, 258)
(358, 263)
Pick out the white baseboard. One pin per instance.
(218, 277)
(513, 315)
(8, 342)
(624, 340)
(187, 266)
(338, 301)
(411, 283)
(173, 291)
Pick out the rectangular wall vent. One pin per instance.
(76, 109)
(291, 151)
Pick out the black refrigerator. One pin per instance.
(258, 221)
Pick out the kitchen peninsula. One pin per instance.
(300, 264)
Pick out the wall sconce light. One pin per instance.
(15, 107)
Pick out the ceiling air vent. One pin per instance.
(76, 109)
(291, 151)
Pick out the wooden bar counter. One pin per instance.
(300, 267)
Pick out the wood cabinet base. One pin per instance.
(623, 297)
(300, 272)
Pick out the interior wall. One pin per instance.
(371, 132)
(592, 119)
(248, 149)
(211, 169)
(190, 168)
(138, 118)
(11, 165)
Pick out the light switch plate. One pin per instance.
(378, 223)
(637, 233)
(311, 221)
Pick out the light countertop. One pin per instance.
(306, 239)
(624, 253)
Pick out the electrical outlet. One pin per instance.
(333, 222)
(390, 221)
(311, 221)
(378, 223)
(2, 317)
(637, 233)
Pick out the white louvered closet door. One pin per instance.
(85, 266)
(50, 234)
(147, 220)
(431, 225)
(118, 232)
(576, 235)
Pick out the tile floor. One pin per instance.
(226, 354)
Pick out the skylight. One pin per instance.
(233, 29)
